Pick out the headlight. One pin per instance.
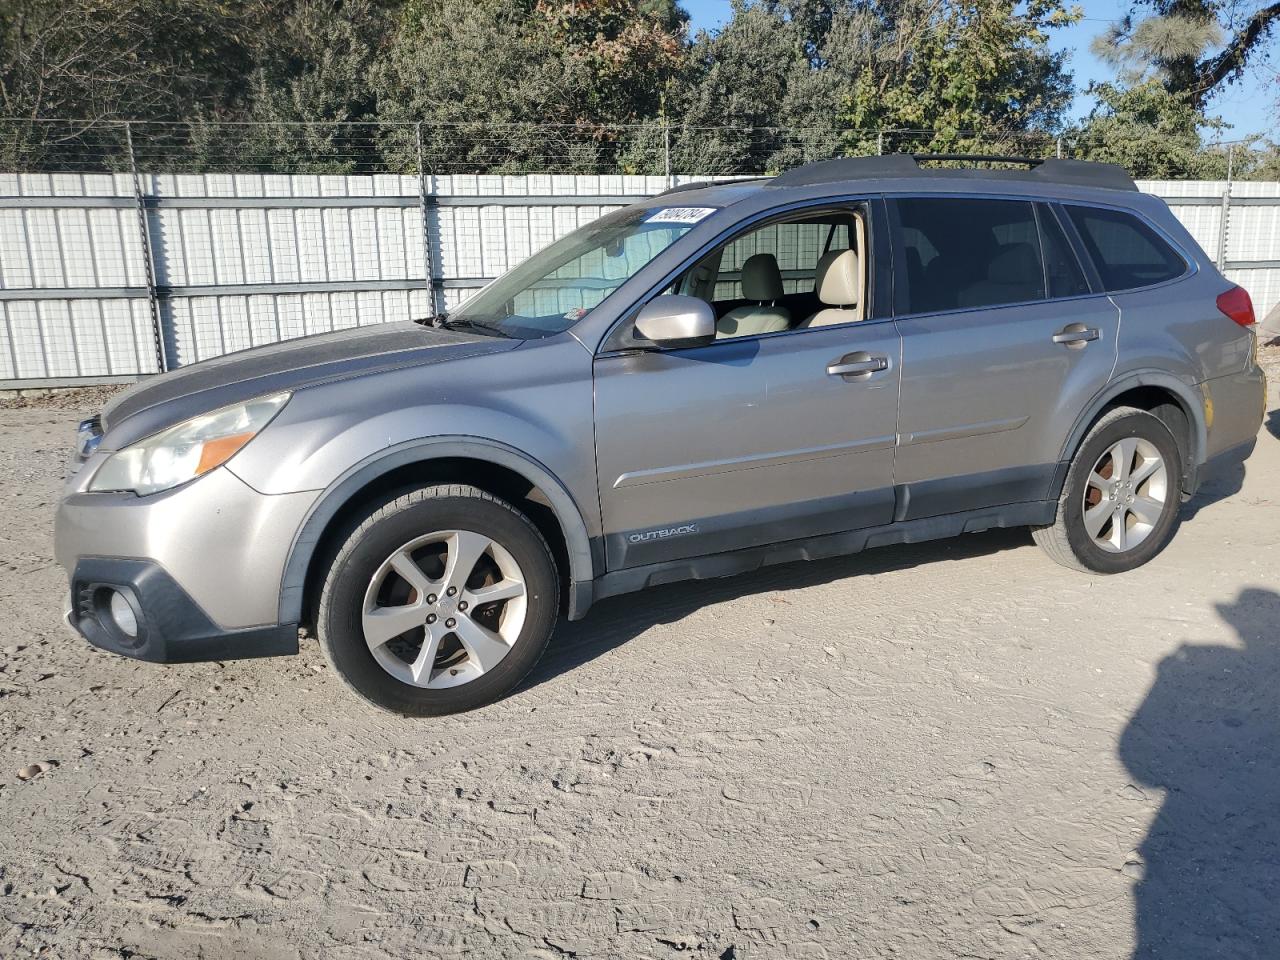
(186, 451)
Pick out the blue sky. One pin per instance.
(1249, 104)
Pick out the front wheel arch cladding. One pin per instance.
(331, 502)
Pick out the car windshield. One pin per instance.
(558, 286)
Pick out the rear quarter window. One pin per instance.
(1127, 252)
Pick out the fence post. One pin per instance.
(666, 152)
(424, 203)
(1225, 224)
(148, 255)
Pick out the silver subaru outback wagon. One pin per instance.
(856, 352)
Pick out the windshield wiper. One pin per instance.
(444, 321)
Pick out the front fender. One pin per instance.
(340, 492)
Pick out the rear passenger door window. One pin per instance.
(958, 254)
(1127, 253)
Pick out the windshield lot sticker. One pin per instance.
(680, 215)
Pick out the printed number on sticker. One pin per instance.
(680, 214)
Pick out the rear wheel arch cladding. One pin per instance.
(1191, 402)
(348, 488)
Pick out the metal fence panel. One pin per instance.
(244, 259)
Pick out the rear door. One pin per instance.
(1003, 343)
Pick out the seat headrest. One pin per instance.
(761, 278)
(1015, 263)
(837, 278)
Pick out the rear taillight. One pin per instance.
(1235, 303)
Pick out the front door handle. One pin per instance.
(1076, 335)
(857, 366)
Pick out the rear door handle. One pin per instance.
(1076, 335)
(860, 365)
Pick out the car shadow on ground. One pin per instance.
(1208, 736)
(614, 621)
(1227, 482)
(1230, 480)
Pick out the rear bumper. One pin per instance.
(1235, 406)
(171, 627)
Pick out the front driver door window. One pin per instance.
(748, 440)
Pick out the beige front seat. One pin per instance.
(837, 283)
(762, 282)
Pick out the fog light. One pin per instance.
(122, 614)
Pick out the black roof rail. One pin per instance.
(977, 158)
(849, 168)
(1083, 173)
(701, 184)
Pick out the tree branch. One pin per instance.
(1213, 70)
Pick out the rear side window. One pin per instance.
(959, 253)
(1061, 268)
(1125, 250)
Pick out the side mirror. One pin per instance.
(675, 320)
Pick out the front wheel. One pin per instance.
(1120, 502)
(440, 601)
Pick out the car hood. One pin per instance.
(170, 398)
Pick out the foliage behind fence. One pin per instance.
(512, 148)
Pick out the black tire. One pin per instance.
(1067, 540)
(385, 531)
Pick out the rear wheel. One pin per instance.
(1119, 505)
(440, 601)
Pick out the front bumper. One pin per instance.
(169, 626)
(201, 565)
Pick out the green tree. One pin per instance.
(978, 72)
(95, 62)
(309, 93)
(764, 92)
(119, 59)
(1150, 131)
(509, 86)
(1193, 46)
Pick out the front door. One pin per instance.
(751, 439)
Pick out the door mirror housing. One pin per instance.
(675, 320)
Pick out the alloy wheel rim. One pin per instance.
(1125, 495)
(444, 609)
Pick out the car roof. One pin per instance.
(900, 172)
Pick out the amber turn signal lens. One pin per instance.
(214, 453)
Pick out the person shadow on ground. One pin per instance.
(1208, 734)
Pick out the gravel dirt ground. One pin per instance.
(954, 749)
